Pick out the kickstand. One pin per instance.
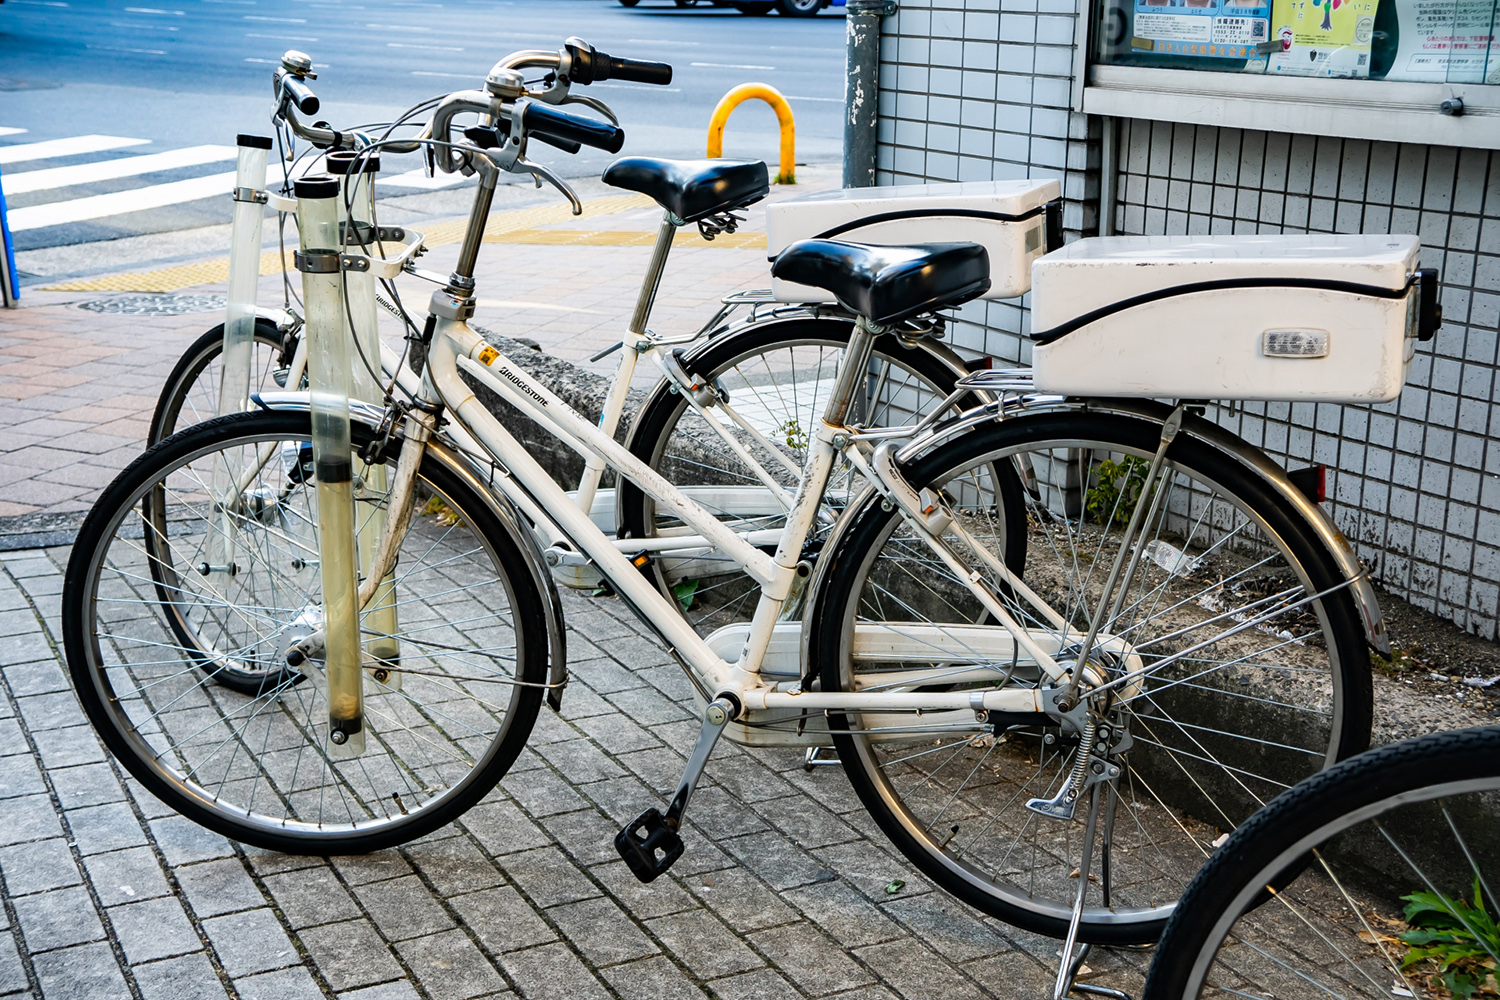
(1067, 972)
(815, 758)
(650, 844)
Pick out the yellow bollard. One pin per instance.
(758, 91)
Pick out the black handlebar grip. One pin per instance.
(538, 118)
(566, 145)
(639, 71)
(301, 95)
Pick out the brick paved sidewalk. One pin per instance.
(782, 891)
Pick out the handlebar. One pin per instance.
(587, 65)
(541, 120)
(639, 71)
(300, 94)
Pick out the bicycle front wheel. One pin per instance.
(1399, 851)
(1251, 670)
(191, 393)
(149, 626)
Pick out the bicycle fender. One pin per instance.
(500, 505)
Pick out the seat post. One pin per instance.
(852, 371)
(654, 270)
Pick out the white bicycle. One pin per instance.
(1041, 605)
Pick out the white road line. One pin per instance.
(730, 65)
(49, 148)
(104, 170)
(418, 179)
(4, 130)
(101, 205)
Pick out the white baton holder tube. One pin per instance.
(239, 341)
(357, 172)
(328, 357)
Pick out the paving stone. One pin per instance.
(350, 954)
(754, 985)
(1015, 975)
(68, 747)
(17, 622)
(502, 920)
(361, 868)
(719, 815)
(38, 866)
(660, 768)
(617, 734)
(58, 919)
(552, 972)
(29, 817)
(182, 841)
(703, 944)
(190, 977)
(948, 926)
(26, 648)
(654, 979)
(501, 828)
(542, 792)
(449, 967)
(51, 711)
(779, 862)
(587, 835)
(642, 900)
(915, 971)
(283, 984)
(599, 929)
(272, 862)
(547, 877)
(401, 989)
(100, 829)
(40, 677)
(740, 899)
(12, 971)
(603, 675)
(20, 775)
(86, 785)
(217, 887)
(454, 866)
(311, 897)
(156, 928)
(747, 779)
(403, 908)
(250, 942)
(579, 761)
(582, 701)
(126, 876)
(87, 972)
(811, 959)
(807, 823)
(648, 707)
(870, 869)
(848, 916)
(623, 799)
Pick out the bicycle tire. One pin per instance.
(1312, 817)
(669, 437)
(182, 390)
(871, 576)
(440, 733)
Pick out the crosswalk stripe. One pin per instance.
(6, 130)
(49, 148)
(120, 202)
(418, 179)
(104, 170)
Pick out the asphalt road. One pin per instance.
(181, 77)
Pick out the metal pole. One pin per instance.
(1109, 175)
(861, 88)
(10, 289)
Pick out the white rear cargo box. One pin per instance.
(1328, 318)
(1008, 217)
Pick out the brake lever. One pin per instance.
(541, 173)
(595, 103)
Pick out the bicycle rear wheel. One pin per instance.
(1255, 669)
(1399, 850)
(777, 377)
(191, 392)
(150, 628)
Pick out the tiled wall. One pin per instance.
(979, 89)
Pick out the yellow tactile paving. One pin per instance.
(500, 224)
(623, 238)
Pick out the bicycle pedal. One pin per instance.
(640, 840)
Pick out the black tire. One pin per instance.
(1330, 661)
(185, 388)
(435, 747)
(629, 3)
(652, 436)
(799, 8)
(1390, 786)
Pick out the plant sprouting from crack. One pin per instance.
(1118, 490)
